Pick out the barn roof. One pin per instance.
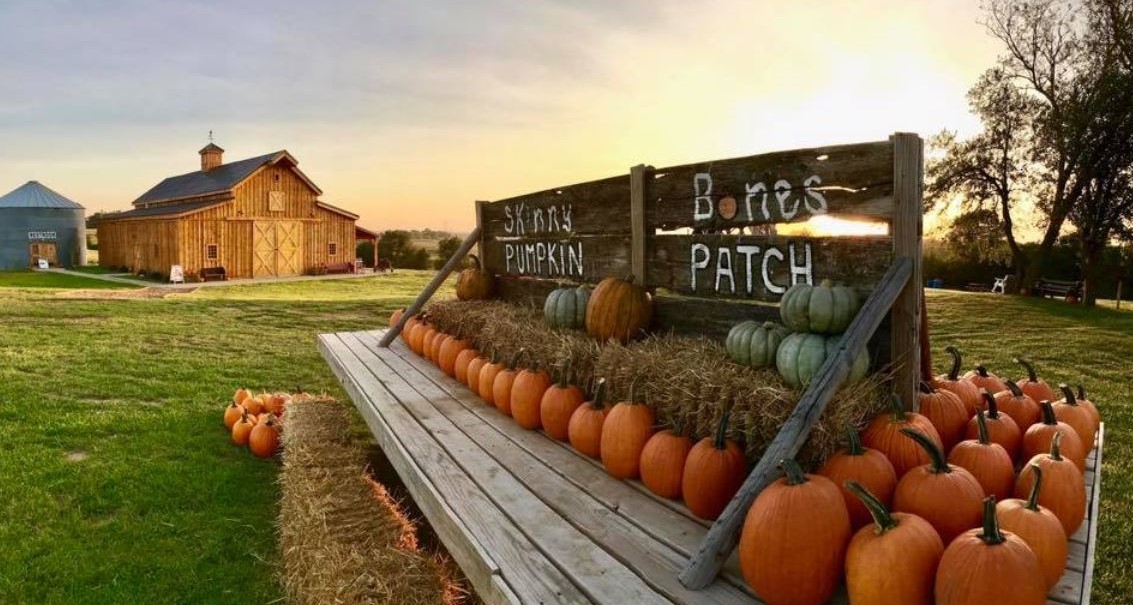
(34, 195)
(167, 211)
(218, 180)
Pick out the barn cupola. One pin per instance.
(211, 157)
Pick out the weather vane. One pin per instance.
(210, 136)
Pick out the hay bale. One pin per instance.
(343, 539)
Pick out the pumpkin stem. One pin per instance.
(881, 516)
(629, 278)
(926, 388)
(992, 405)
(597, 402)
(899, 414)
(1028, 367)
(793, 472)
(991, 534)
(855, 448)
(939, 463)
(1068, 394)
(1056, 446)
(633, 388)
(1033, 498)
(1013, 387)
(981, 370)
(981, 424)
(954, 371)
(722, 429)
(476, 262)
(515, 358)
(1081, 392)
(1049, 418)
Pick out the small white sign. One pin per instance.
(42, 235)
(176, 274)
(42, 263)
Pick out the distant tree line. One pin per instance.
(398, 248)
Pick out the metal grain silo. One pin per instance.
(35, 223)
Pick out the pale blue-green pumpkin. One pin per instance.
(754, 344)
(801, 354)
(566, 307)
(821, 309)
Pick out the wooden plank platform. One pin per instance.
(530, 520)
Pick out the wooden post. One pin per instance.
(908, 192)
(722, 536)
(637, 176)
(1119, 294)
(480, 226)
(377, 239)
(430, 289)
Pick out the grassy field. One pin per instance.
(36, 279)
(117, 483)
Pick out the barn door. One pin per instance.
(263, 249)
(277, 248)
(46, 251)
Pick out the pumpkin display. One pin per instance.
(946, 496)
(950, 381)
(821, 309)
(472, 374)
(566, 308)
(1036, 388)
(867, 467)
(946, 412)
(985, 380)
(232, 413)
(618, 309)
(988, 462)
(1079, 417)
(501, 386)
(462, 362)
(585, 428)
(487, 379)
(263, 440)
(713, 473)
(240, 395)
(628, 426)
(558, 406)
(1001, 428)
(396, 316)
(987, 565)
(895, 559)
(792, 548)
(754, 344)
(1064, 490)
(1018, 405)
(527, 397)
(1037, 438)
(663, 462)
(883, 434)
(242, 429)
(447, 352)
(800, 355)
(474, 283)
(1038, 527)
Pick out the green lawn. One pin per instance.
(42, 279)
(117, 483)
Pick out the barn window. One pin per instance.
(332, 249)
(212, 252)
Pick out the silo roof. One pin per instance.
(34, 195)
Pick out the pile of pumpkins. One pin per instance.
(814, 318)
(928, 507)
(704, 474)
(255, 421)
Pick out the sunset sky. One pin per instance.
(406, 112)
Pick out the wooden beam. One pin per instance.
(637, 176)
(908, 194)
(431, 289)
(723, 534)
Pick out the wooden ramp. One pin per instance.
(528, 519)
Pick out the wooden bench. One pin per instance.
(213, 274)
(530, 520)
(1071, 291)
(335, 268)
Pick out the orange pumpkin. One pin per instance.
(894, 560)
(242, 429)
(431, 334)
(1038, 527)
(240, 395)
(1079, 417)
(411, 323)
(1089, 405)
(1064, 490)
(501, 386)
(527, 397)
(276, 403)
(417, 337)
(946, 412)
(460, 364)
(585, 428)
(254, 405)
(472, 374)
(714, 472)
(558, 406)
(988, 462)
(447, 353)
(884, 435)
(488, 375)
(793, 545)
(627, 428)
(618, 309)
(965, 390)
(865, 466)
(946, 496)
(1038, 438)
(985, 380)
(1036, 388)
(232, 413)
(1018, 405)
(1001, 428)
(433, 349)
(263, 441)
(396, 316)
(989, 566)
(474, 282)
(663, 462)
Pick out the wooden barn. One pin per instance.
(259, 217)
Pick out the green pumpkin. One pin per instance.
(821, 309)
(800, 356)
(566, 307)
(754, 344)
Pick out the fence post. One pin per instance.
(908, 192)
(637, 178)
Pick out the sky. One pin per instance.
(407, 112)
